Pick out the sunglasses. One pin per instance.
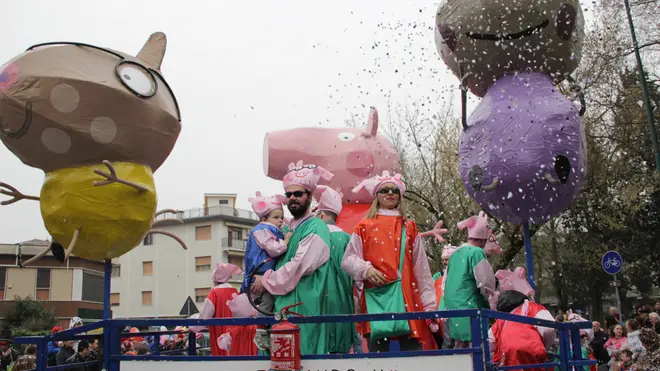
(384, 191)
(131, 74)
(296, 194)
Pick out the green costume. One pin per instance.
(340, 294)
(312, 290)
(438, 276)
(461, 291)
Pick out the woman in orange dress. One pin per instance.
(395, 279)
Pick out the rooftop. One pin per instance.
(222, 212)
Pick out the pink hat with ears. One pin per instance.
(477, 226)
(224, 271)
(515, 280)
(306, 176)
(329, 199)
(373, 184)
(240, 306)
(263, 205)
(448, 250)
(492, 244)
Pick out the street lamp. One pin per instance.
(645, 89)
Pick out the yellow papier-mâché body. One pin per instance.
(112, 219)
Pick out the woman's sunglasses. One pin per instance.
(385, 191)
(296, 194)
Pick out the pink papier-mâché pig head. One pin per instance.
(240, 306)
(351, 154)
(515, 280)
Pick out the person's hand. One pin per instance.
(433, 324)
(257, 287)
(375, 277)
(287, 238)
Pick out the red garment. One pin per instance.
(242, 341)
(518, 343)
(218, 297)
(385, 258)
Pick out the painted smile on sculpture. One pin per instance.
(26, 124)
(502, 37)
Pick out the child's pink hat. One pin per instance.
(263, 205)
(448, 250)
(477, 226)
(329, 199)
(307, 176)
(372, 185)
(224, 271)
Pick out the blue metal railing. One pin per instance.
(569, 338)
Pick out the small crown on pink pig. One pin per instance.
(515, 280)
(477, 226)
(329, 199)
(306, 176)
(373, 184)
(263, 205)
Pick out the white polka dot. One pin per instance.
(65, 98)
(103, 129)
(56, 140)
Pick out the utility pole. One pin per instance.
(645, 89)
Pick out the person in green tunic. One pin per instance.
(470, 281)
(340, 284)
(301, 275)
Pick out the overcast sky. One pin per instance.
(240, 69)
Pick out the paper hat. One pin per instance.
(224, 271)
(263, 205)
(515, 280)
(492, 244)
(448, 250)
(240, 306)
(75, 321)
(329, 199)
(373, 184)
(477, 226)
(306, 176)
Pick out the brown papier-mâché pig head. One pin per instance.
(66, 104)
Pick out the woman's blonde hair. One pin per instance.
(373, 210)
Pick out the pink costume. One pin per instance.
(262, 206)
(312, 251)
(215, 305)
(513, 343)
(329, 199)
(238, 340)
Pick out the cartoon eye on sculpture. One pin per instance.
(522, 152)
(351, 154)
(98, 122)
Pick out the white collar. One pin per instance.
(389, 212)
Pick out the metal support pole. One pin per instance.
(645, 88)
(106, 314)
(618, 298)
(528, 255)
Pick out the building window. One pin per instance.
(236, 260)
(235, 234)
(147, 268)
(201, 294)
(114, 299)
(3, 282)
(43, 284)
(223, 202)
(203, 233)
(148, 239)
(146, 297)
(116, 270)
(202, 263)
(92, 287)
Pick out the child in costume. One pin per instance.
(215, 305)
(470, 281)
(513, 343)
(340, 284)
(239, 340)
(442, 337)
(387, 254)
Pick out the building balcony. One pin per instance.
(218, 210)
(234, 246)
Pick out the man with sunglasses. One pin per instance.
(301, 275)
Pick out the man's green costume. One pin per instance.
(312, 290)
(340, 294)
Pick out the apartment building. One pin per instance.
(156, 278)
(74, 289)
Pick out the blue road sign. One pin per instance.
(612, 262)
